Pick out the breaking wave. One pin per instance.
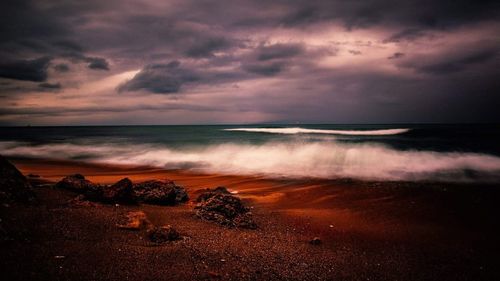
(298, 130)
(282, 159)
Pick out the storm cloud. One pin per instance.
(160, 78)
(27, 70)
(250, 61)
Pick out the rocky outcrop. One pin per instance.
(160, 192)
(220, 206)
(124, 191)
(13, 185)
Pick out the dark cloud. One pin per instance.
(206, 47)
(50, 86)
(62, 67)
(355, 52)
(97, 63)
(427, 14)
(160, 78)
(452, 62)
(265, 68)
(396, 55)
(279, 51)
(68, 45)
(409, 34)
(26, 70)
(270, 60)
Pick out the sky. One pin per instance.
(123, 62)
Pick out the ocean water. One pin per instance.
(448, 153)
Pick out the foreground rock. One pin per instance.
(160, 192)
(13, 185)
(315, 241)
(135, 220)
(120, 192)
(220, 206)
(163, 234)
(77, 183)
(124, 191)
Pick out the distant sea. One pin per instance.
(447, 153)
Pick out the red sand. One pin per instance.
(375, 231)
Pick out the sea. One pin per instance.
(380, 152)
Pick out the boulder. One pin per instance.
(163, 234)
(221, 206)
(120, 192)
(207, 193)
(13, 185)
(77, 183)
(160, 192)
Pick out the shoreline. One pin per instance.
(376, 230)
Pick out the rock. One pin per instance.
(315, 241)
(76, 182)
(163, 234)
(211, 192)
(161, 192)
(122, 192)
(224, 208)
(13, 185)
(135, 220)
(33, 176)
(181, 195)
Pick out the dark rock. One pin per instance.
(120, 192)
(33, 176)
(163, 234)
(315, 241)
(224, 208)
(181, 195)
(13, 185)
(211, 192)
(78, 183)
(159, 192)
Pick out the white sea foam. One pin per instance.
(298, 130)
(284, 159)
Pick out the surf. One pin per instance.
(296, 159)
(299, 130)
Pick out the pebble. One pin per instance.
(315, 241)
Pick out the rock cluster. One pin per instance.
(160, 192)
(13, 185)
(220, 206)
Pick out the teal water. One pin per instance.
(381, 152)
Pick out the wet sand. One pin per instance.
(369, 231)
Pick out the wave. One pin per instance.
(298, 130)
(327, 160)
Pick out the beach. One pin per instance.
(368, 230)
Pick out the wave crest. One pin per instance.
(283, 159)
(298, 130)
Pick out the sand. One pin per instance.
(368, 230)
